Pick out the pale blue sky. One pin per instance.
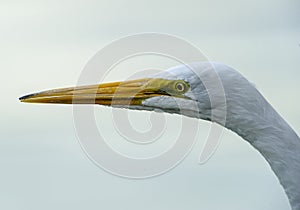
(45, 44)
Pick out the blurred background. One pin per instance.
(46, 44)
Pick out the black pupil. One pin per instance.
(179, 87)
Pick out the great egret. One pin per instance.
(247, 112)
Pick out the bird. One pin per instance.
(192, 90)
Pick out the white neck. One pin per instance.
(277, 142)
(247, 113)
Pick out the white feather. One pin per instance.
(247, 113)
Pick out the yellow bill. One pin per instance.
(131, 92)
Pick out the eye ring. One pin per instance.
(180, 87)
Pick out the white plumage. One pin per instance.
(247, 113)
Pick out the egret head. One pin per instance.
(182, 89)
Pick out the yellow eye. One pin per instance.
(180, 87)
